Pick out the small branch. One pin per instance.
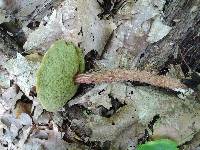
(132, 75)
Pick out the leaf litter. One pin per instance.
(114, 115)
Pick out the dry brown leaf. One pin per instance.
(23, 107)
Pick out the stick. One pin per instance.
(132, 75)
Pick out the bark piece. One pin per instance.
(184, 16)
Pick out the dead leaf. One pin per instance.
(72, 22)
(23, 72)
(22, 107)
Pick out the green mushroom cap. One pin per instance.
(55, 77)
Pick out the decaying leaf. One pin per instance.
(158, 31)
(194, 144)
(23, 72)
(35, 57)
(133, 35)
(3, 17)
(72, 22)
(142, 104)
(4, 79)
(49, 139)
(9, 98)
(27, 12)
(14, 128)
(25, 119)
(94, 98)
(23, 107)
(175, 114)
(37, 109)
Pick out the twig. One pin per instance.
(132, 75)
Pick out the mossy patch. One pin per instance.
(55, 77)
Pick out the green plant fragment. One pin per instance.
(163, 144)
(55, 77)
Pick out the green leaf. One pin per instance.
(163, 144)
(55, 77)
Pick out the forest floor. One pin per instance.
(158, 39)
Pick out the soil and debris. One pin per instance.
(158, 36)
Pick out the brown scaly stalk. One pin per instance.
(132, 75)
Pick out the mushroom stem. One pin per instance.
(117, 75)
